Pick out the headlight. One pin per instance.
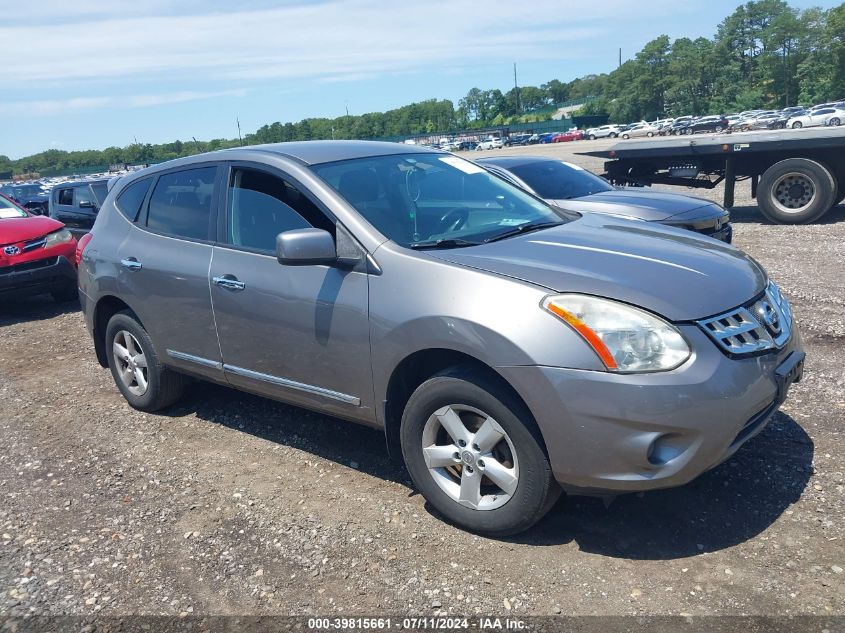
(627, 340)
(59, 237)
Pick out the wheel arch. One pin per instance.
(417, 367)
(107, 306)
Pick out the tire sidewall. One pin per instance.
(531, 499)
(125, 321)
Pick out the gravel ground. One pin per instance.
(231, 504)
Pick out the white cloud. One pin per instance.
(93, 41)
(46, 107)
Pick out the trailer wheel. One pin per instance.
(796, 191)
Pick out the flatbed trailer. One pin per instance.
(796, 175)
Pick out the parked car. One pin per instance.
(30, 196)
(547, 137)
(76, 203)
(813, 118)
(640, 129)
(508, 348)
(565, 137)
(37, 255)
(491, 142)
(761, 122)
(605, 131)
(836, 117)
(571, 187)
(517, 139)
(715, 124)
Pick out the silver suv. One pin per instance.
(509, 349)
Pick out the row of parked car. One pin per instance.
(795, 117)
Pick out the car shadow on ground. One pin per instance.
(39, 308)
(724, 507)
(752, 215)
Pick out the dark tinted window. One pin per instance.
(66, 196)
(556, 180)
(181, 203)
(262, 205)
(100, 190)
(130, 199)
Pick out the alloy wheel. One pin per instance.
(793, 192)
(470, 457)
(131, 362)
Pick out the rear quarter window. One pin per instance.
(180, 204)
(129, 200)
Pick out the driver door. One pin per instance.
(294, 333)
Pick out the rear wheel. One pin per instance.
(797, 125)
(796, 191)
(592, 137)
(649, 134)
(142, 379)
(626, 136)
(478, 458)
(834, 121)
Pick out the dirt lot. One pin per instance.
(230, 504)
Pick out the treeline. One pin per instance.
(765, 54)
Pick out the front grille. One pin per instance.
(38, 263)
(762, 325)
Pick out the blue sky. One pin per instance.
(89, 74)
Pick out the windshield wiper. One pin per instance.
(528, 227)
(445, 243)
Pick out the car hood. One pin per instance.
(672, 272)
(643, 205)
(13, 230)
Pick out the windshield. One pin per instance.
(9, 210)
(556, 180)
(22, 191)
(416, 199)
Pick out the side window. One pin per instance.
(81, 195)
(181, 203)
(66, 196)
(261, 205)
(130, 199)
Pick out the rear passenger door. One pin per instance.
(164, 261)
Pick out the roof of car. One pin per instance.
(507, 162)
(316, 152)
(77, 183)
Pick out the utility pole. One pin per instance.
(347, 108)
(516, 89)
(240, 138)
(620, 56)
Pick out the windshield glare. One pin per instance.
(9, 210)
(556, 180)
(422, 198)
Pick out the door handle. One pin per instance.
(131, 263)
(229, 282)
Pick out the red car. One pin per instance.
(572, 135)
(37, 255)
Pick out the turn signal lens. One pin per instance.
(626, 339)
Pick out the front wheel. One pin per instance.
(146, 384)
(478, 458)
(650, 134)
(797, 125)
(592, 137)
(626, 136)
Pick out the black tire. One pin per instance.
(649, 134)
(834, 121)
(719, 129)
(626, 136)
(613, 135)
(797, 125)
(66, 294)
(823, 198)
(164, 386)
(592, 137)
(536, 490)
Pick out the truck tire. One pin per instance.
(796, 191)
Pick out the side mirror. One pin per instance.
(305, 247)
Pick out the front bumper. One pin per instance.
(37, 276)
(610, 433)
